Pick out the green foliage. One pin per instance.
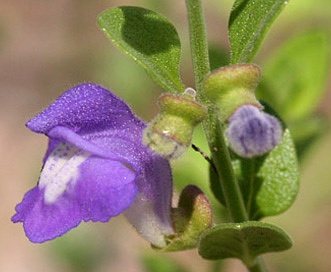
(244, 241)
(269, 184)
(152, 263)
(150, 39)
(249, 23)
(308, 131)
(294, 81)
(198, 42)
(250, 189)
(294, 77)
(218, 57)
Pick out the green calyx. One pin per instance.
(232, 86)
(191, 218)
(170, 133)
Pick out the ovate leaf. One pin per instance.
(243, 241)
(249, 23)
(149, 38)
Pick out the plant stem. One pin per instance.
(227, 178)
(198, 41)
(222, 161)
(259, 266)
(212, 126)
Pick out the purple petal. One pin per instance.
(150, 212)
(104, 189)
(114, 145)
(117, 171)
(252, 132)
(95, 146)
(155, 173)
(43, 222)
(85, 108)
(90, 117)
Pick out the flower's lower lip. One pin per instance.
(60, 169)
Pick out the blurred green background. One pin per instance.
(47, 47)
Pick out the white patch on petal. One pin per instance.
(142, 216)
(60, 168)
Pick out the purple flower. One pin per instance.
(95, 167)
(252, 132)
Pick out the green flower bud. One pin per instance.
(169, 134)
(232, 86)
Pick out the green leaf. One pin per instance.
(244, 241)
(149, 38)
(218, 56)
(249, 23)
(270, 183)
(294, 78)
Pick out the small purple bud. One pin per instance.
(252, 132)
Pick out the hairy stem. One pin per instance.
(198, 41)
(212, 125)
